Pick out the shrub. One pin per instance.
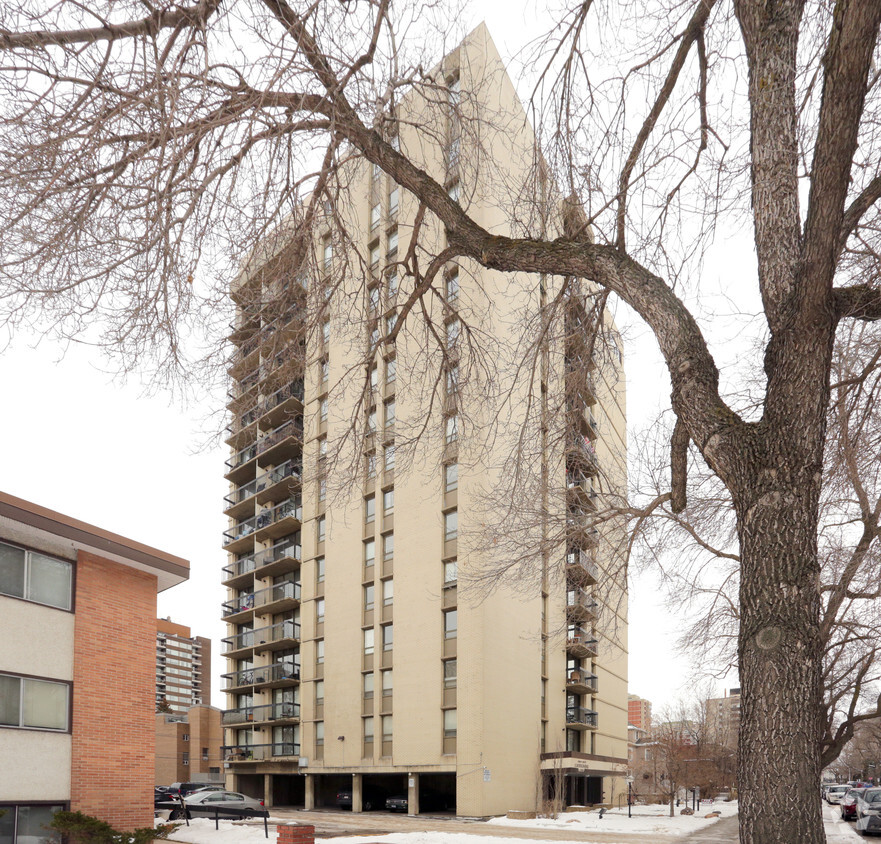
(79, 828)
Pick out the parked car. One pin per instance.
(344, 801)
(223, 804)
(185, 788)
(835, 792)
(848, 803)
(397, 803)
(869, 811)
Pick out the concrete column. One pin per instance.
(267, 790)
(357, 805)
(309, 800)
(412, 794)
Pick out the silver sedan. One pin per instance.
(221, 804)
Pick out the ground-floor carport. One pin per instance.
(437, 793)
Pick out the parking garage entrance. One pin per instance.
(289, 790)
(328, 788)
(437, 793)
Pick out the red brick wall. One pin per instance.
(114, 693)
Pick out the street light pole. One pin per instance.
(629, 781)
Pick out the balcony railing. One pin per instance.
(280, 592)
(239, 567)
(294, 390)
(580, 642)
(262, 636)
(240, 530)
(258, 752)
(581, 450)
(241, 457)
(262, 675)
(581, 682)
(580, 717)
(292, 508)
(582, 565)
(580, 604)
(237, 679)
(288, 469)
(258, 714)
(291, 428)
(289, 548)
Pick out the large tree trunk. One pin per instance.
(780, 652)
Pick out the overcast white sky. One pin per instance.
(78, 441)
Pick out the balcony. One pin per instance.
(242, 644)
(581, 682)
(243, 393)
(581, 567)
(278, 598)
(287, 712)
(239, 573)
(237, 680)
(580, 643)
(281, 520)
(241, 466)
(282, 404)
(277, 675)
(280, 558)
(240, 537)
(580, 606)
(580, 490)
(259, 752)
(242, 429)
(579, 718)
(283, 443)
(270, 486)
(285, 634)
(581, 455)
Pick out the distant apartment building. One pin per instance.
(639, 712)
(361, 656)
(183, 667)
(723, 718)
(77, 681)
(188, 746)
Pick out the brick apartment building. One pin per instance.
(183, 667)
(188, 746)
(77, 670)
(639, 712)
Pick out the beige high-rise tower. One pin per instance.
(420, 602)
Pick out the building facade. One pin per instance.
(639, 712)
(77, 685)
(365, 513)
(188, 746)
(723, 718)
(183, 667)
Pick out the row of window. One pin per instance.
(28, 823)
(35, 577)
(35, 704)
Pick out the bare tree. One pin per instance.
(142, 150)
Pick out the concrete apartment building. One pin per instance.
(77, 681)
(363, 654)
(183, 667)
(639, 712)
(723, 718)
(188, 746)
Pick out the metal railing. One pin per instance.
(291, 428)
(279, 592)
(577, 598)
(580, 677)
(269, 712)
(249, 452)
(294, 390)
(258, 752)
(289, 469)
(578, 637)
(581, 715)
(262, 636)
(287, 547)
(264, 674)
(579, 559)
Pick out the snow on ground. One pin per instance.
(202, 831)
(645, 819)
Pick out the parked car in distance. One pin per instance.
(869, 811)
(848, 803)
(185, 788)
(208, 804)
(835, 792)
(397, 803)
(344, 801)
(208, 788)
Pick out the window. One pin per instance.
(368, 722)
(392, 245)
(368, 597)
(390, 322)
(374, 334)
(185, 757)
(452, 286)
(319, 692)
(325, 332)
(388, 502)
(320, 528)
(451, 525)
(319, 733)
(39, 704)
(371, 422)
(393, 201)
(389, 458)
(451, 624)
(368, 640)
(391, 281)
(453, 191)
(319, 610)
(374, 378)
(24, 824)
(374, 256)
(319, 651)
(451, 572)
(453, 157)
(322, 489)
(368, 685)
(319, 569)
(185, 737)
(325, 370)
(389, 413)
(322, 410)
(374, 216)
(451, 477)
(390, 370)
(369, 509)
(376, 173)
(388, 637)
(388, 592)
(449, 723)
(450, 674)
(35, 577)
(204, 754)
(371, 464)
(386, 727)
(388, 546)
(322, 448)
(369, 552)
(327, 256)
(453, 328)
(452, 432)
(386, 683)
